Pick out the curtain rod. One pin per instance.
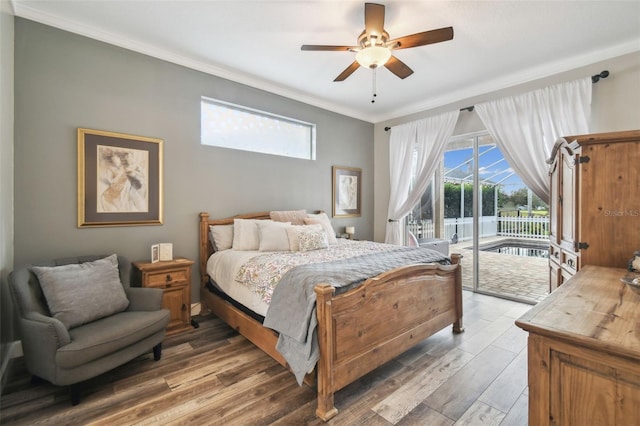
(594, 79)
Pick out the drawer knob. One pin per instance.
(169, 278)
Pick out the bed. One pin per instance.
(414, 302)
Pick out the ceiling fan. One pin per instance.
(374, 46)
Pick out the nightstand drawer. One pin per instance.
(167, 278)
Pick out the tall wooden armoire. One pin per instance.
(594, 202)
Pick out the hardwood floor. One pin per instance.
(211, 375)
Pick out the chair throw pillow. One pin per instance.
(81, 293)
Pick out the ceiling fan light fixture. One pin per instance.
(374, 45)
(373, 57)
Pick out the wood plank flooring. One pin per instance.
(211, 375)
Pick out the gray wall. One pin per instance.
(64, 81)
(615, 106)
(6, 181)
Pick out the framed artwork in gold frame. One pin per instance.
(119, 179)
(347, 191)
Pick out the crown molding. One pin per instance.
(514, 79)
(479, 89)
(241, 77)
(7, 6)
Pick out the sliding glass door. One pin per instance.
(491, 218)
(459, 164)
(478, 205)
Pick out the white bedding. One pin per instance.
(251, 280)
(223, 267)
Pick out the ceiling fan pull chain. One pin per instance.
(373, 86)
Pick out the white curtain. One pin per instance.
(428, 138)
(525, 127)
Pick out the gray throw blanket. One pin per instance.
(292, 311)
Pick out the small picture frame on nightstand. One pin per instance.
(155, 253)
(166, 251)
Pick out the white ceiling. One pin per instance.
(496, 44)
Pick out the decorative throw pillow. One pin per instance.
(296, 217)
(273, 236)
(310, 239)
(245, 234)
(222, 236)
(294, 231)
(323, 220)
(81, 293)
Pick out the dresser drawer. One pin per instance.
(570, 261)
(167, 278)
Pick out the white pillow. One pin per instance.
(222, 236)
(273, 236)
(323, 220)
(311, 239)
(245, 234)
(294, 230)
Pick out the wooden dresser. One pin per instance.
(594, 202)
(584, 352)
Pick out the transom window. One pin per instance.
(233, 126)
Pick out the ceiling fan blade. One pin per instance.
(328, 48)
(421, 39)
(398, 67)
(374, 18)
(348, 71)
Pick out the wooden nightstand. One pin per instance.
(174, 277)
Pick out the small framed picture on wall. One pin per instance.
(347, 191)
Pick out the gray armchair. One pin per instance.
(66, 355)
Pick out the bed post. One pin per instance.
(204, 255)
(326, 409)
(457, 326)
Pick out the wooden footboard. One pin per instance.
(363, 328)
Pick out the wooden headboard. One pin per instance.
(206, 248)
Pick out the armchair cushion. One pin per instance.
(109, 335)
(81, 293)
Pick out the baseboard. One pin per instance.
(195, 309)
(17, 349)
(14, 351)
